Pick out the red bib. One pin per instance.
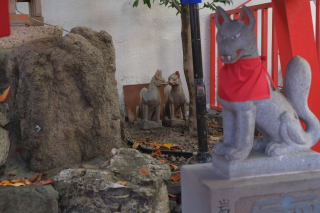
(4, 18)
(244, 80)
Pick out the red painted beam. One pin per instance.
(293, 22)
(4, 18)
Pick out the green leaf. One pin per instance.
(136, 3)
(173, 142)
(147, 2)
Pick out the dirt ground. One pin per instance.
(178, 139)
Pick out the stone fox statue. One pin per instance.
(175, 98)
(150, 100)
(250, 99)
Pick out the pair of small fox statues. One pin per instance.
(150, 100)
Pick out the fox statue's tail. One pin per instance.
(297, 83)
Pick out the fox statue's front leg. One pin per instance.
(238, 126)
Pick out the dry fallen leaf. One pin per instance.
(4, 182)
(214, 138)
(173, 167)
(142, 139)
(143, 171)
(158, 145)
(168, 145)
(213, 120)
(45, 176)
(18, 181)
(124, 183)
(14, 184)
(163, 161)
(210, 149)
(156, 154)
(4, 95)
(170, 195)
(181, 134)
(212, 141)
(174, 147)
(136, 145)
(28, 182)
(35, 178)
(176, 177)
(213, 125)
(46, 182)
(153, 143)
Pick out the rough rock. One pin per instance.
(67, 87)
(35, 199)
(87, 190)
(4, 114)
(4, 146)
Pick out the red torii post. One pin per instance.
(295, 35)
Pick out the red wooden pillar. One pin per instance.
(295, 35)
(4, 18)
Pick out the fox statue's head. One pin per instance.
(236, 38)
(158, 80)
(174, 79)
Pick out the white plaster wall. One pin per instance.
(145, 39)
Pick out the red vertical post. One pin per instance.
(4, 18)
(264, 35)
(255, 13)
(275, 50)
(296, 37)
(318, 28)
(236, 16)
(212, 62)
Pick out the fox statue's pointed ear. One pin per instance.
(178, 74)
(247, 17)
(158, 74)
(221, 16)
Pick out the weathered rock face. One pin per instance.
(28, 199)
(64, 98)
(87, 190)
(4, 146)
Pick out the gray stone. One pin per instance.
(148, 124)
(204, 191)
(35, 199)
(88, 190)
(177, 209)
(277, 117)
(4, 114)
(172, 204)
(174, 188)
(175, 122)
(4, 145)
(67, 87)
(259, 164)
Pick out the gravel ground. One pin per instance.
(179, 137)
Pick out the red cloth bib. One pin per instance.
(244, 80)
(4, 18)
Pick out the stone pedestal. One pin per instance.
(280, 190)
(148, 124)
(175, 122)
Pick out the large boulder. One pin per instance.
(64, 98)
(96, 190)
(35, 199)
(4, 146)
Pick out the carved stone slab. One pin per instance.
(206, 192)
(148, 124)
(259, 164)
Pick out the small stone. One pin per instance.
(12, 173)
(173, 158)
(172, 204)
(181, 159)
(177, 209)
(161, 156)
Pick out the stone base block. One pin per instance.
(206, 192)
(172, 123)
(148, 124)
(259, 164)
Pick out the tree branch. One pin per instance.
(176, 6)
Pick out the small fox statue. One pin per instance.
(250, 99)
(175, 98)
(150, 100)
